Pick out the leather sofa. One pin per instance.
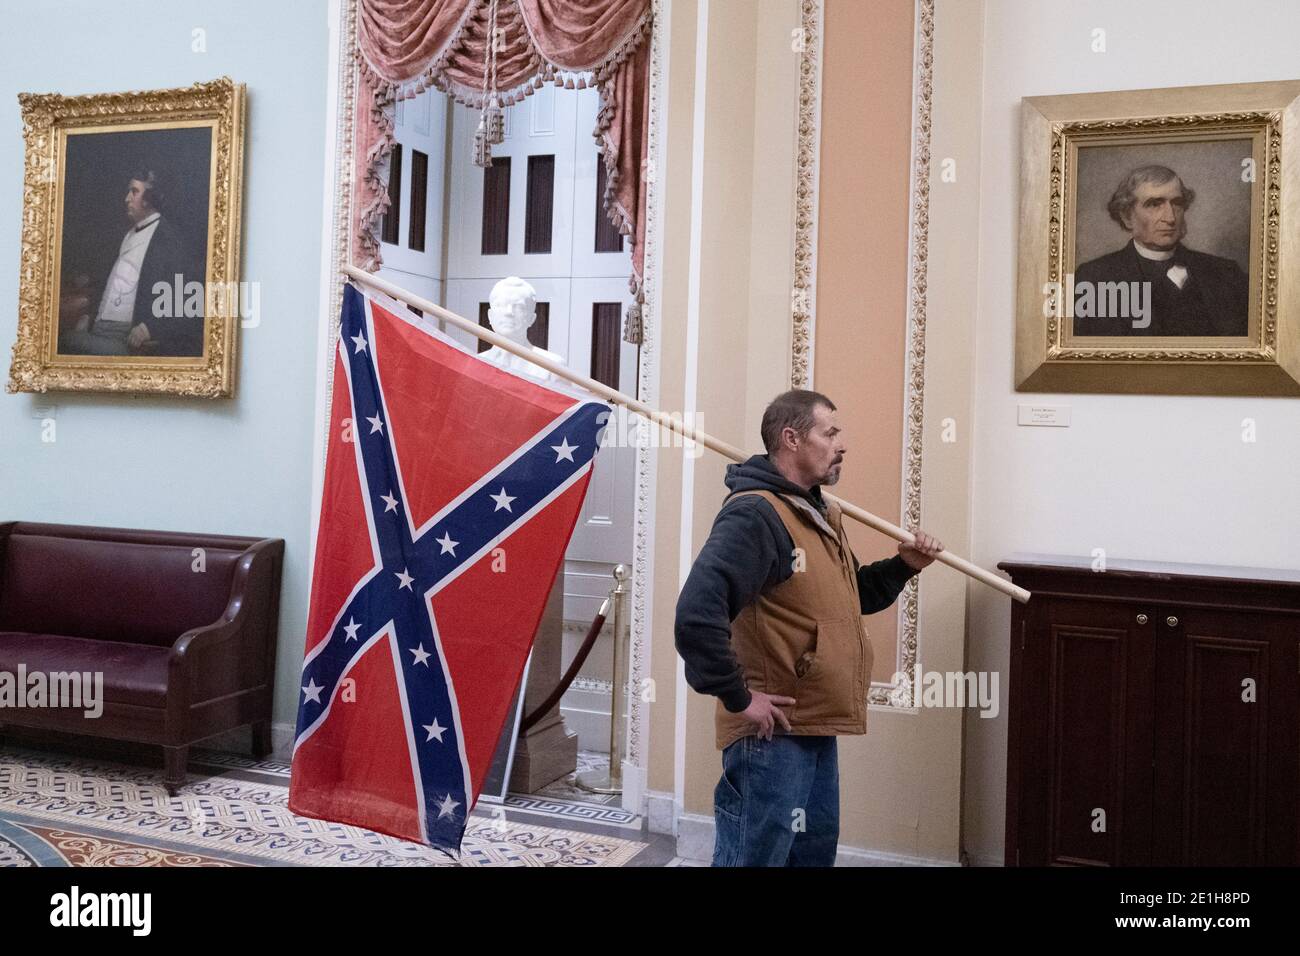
(182, 627)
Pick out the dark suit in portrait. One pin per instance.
(1212, 300)
(166, 258)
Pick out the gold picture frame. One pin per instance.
(120, 189)
(1116, 191)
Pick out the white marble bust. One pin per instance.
(512, 309)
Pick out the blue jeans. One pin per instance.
(777, 802)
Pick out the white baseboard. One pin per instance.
(634, 779)
(695, 839)
(660, 812)
(852, 856)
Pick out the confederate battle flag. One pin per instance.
(451, 489)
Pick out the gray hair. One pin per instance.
(1121, 203)
(792, 409)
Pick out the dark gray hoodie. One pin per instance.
(747, 552)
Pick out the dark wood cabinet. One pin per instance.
(1154, 715)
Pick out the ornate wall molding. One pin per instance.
(807, 153)
(344, 137)
(647, 391)
(897, 693)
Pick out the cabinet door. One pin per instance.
(1086, 732)
(1227, 740)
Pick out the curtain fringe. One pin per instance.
(385, 94)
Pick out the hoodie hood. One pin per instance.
(758, 473)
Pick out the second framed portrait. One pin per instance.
(131, 230)
(1155, 255)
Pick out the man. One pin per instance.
(151, 252)
(1185, 292)
(770, 622)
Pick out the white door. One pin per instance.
(582, 292)
(411, 233)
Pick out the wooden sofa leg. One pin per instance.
(174, 761)
(261, 739)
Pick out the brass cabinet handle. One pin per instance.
(1142, 618)
(1171, 621)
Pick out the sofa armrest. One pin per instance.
(237, 652)
(198, 645)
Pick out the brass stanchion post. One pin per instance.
(611, 781)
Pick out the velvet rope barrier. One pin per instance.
(579, 659)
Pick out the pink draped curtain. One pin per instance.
(406, 46)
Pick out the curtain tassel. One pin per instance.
(482, 150)
(632, 328)
(496, 122)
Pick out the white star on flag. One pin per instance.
(390, 503)
(564, 451)
(376, 424)
(448, 805)
(421, 655)
(435, 730)
(448, 546)
(312, 691)
(360, 340)
(351, 627)
(406, 580)
(503, 501)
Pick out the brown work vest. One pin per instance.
(804, 638)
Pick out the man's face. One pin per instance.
(137, 207)
(820, 452)
(1157, 219)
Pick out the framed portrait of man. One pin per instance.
(1155, 251)
(130, 271)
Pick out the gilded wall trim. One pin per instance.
(648, 391)
(807, 153)
(898, 693)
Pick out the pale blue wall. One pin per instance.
(240, 466)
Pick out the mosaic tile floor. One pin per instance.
(61, 809)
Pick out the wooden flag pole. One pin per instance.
(666, 421)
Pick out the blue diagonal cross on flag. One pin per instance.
(451, 490)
